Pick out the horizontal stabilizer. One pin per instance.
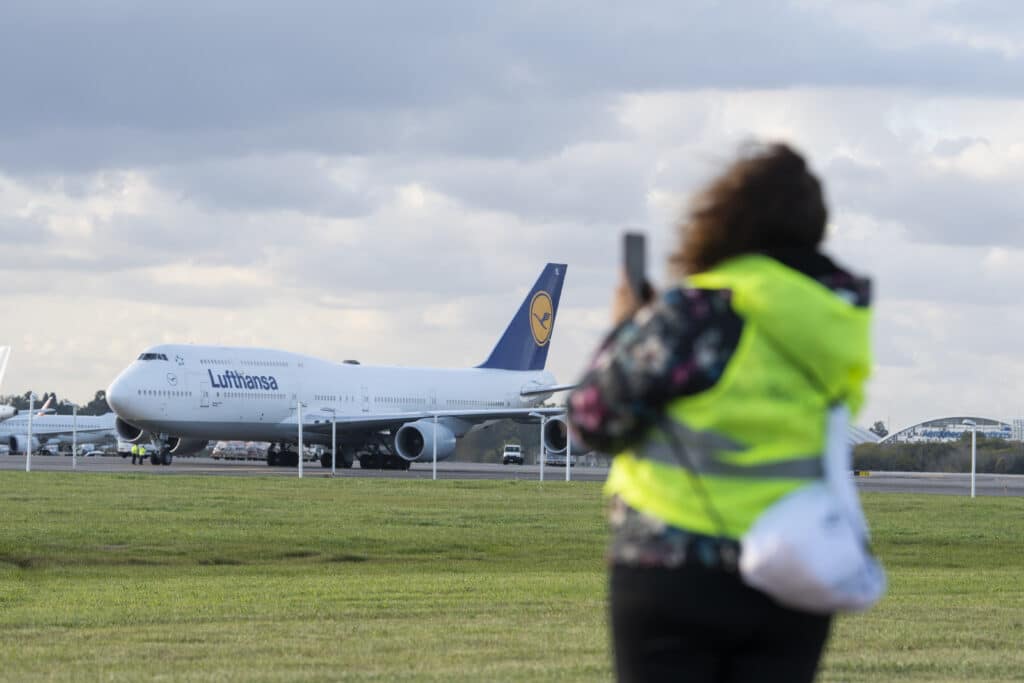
(550, 389)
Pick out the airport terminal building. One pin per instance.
(946, 429)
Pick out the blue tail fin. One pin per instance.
(524, 346)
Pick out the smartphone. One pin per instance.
(635, 261)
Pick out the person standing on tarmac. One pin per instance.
(136, 448)
(715, 399)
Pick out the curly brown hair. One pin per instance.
(766, 199)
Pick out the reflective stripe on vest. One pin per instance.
(700, 456)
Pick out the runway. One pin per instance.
(875, 482)
(942, 483)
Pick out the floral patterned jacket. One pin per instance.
(676, 346)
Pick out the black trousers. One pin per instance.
(706, 625)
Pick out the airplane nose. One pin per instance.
(117, 395)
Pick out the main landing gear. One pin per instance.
(378, 456)
(282, 455)
(371, 456)
(346, 456)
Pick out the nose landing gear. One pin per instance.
(162, 455)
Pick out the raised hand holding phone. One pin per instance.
(633, 290)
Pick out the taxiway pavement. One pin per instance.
(883, 482)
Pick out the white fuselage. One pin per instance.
(60, 428)
(224, 393)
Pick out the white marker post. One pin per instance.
(973, 425)
(543, 421)
(974, 460)
(435, 449)
(568, 449)
(74, 437)
(334, 442)
(298, 407)
(28, 446)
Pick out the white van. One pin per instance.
(512, 455)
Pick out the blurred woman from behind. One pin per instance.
(714, 400)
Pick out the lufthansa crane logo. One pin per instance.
(542, 315)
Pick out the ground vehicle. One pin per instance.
(512, 455)
(558, 460)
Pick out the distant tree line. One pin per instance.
(996, 456)
(97, 406)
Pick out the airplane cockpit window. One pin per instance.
(153, 356)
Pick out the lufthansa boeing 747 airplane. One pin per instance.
(183, 396)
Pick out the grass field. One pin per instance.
(127, 577)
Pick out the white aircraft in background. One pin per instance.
(53, 430)
(5, 355)
(183, 396)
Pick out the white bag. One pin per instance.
(809, 551)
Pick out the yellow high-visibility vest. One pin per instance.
(759, 432)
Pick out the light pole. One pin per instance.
(28, 446)
(973, 425)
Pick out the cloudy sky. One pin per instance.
(384, 181)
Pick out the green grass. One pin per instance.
(127, 577)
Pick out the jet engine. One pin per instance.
(415, 441)
(18, 444)
(181, 446)
(130, 432)
(556, 437)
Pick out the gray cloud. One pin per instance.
(386, 181)
(126, 84)
(938, 206)
(258, 184)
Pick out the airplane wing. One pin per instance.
(319, 422)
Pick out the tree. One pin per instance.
(879, 430)
(98, 405)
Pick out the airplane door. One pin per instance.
(204, 394)
(366, 399)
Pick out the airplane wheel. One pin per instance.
(272, 459)
(345, 458)
(325, 460)
(166, 458)
(154, 459)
